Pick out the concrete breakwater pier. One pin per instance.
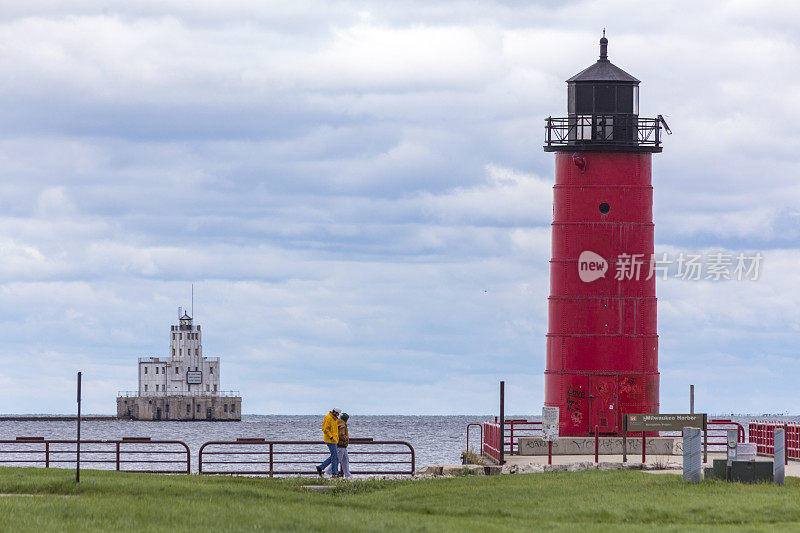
(58, 418)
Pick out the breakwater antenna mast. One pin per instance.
(602, 344)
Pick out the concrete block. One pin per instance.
(493, 470)
(320, 488)
(606, 446)
(632, 466)
(476, 470)
(430, 470)
(579, 467)
(692, 455)
(778, 467)
(452, 470)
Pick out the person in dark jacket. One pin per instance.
(341, 446)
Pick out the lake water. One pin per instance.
(436, 439)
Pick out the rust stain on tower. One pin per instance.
(602, 344)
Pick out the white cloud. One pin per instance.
(364, 186)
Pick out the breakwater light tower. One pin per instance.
(602, 345)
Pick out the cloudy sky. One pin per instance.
(359, 194)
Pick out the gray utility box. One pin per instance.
(751, 471)
(720, 469)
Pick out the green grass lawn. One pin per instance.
(593, 500)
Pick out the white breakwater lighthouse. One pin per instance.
(183, 386)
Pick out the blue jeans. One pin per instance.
(333, 460)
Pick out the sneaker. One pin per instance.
(319, 471)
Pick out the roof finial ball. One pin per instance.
(604, 47)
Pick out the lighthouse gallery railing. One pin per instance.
(602, 129)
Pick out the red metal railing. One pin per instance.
(491, 439)
(717, 433)
(480, 426)
(513, 430)
(136, 454)
(270, 458)
(516, 428)
(763, 435)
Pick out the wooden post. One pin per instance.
(705, 437)
(550, 452)
(78, 441)
(624, 438)
(596, 443)
(643, 447)
(270, 460)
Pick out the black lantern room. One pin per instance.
(603, 112)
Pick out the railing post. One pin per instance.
(502, 422)
(785, 447)
(270, 459)
(705, 438)
(512, 438)
(47, 455)
(78, 441)
(596, 444)
(624, 438)
(549, 452)
(117, 456)
(643, 447)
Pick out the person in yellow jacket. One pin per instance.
(330, 434)
(341, 447)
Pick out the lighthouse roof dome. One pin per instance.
(603, 69)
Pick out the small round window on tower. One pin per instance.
(605, 208)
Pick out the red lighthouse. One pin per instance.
(602, 345)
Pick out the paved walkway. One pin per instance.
(792, 469)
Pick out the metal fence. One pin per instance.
(516, 428)
(716, 437)
(762, 433)
(136, 454)
(261, 457)
(491, 439)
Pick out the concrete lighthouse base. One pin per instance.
(180, 408)
(606, 446)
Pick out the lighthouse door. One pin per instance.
(603, 404)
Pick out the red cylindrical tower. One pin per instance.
(602, 345)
